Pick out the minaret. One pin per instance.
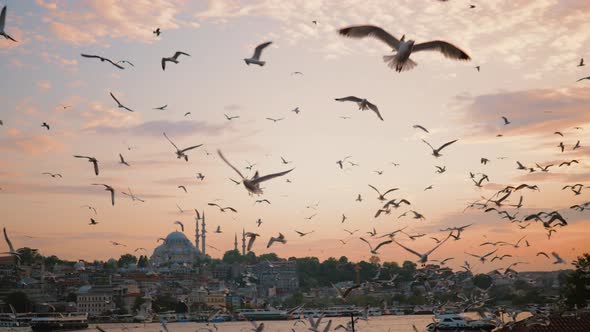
(236, 242)
(243, 241)
(203, 231)
(197, 233)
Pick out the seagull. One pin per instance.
(157, 32)
(421, 128)
(280, 239)
(161, 108)
(107, 188)
(173, 59)
(181, 153)
(482, 258)
(301, 234)
(222, 209)
(255, 59)
(341, 162)
(119, 105)
(93, 160)
(423, 257)
(44, 124)
(558, 260)
(374, 251)
(584, 78)
(200, 176)
(133, 197)
(275, 120)
(558, 133)
(93, 222)
(581, 64)
(359, 198)
(478, 68)
(440, 169)
(577, 146)
(11, 250)
(284, 161)
(436, 152)
(343, 293)
(180, 224)
(401, 60)
(252, 237)
(122, 160)
(187, 113)
(253, 184)
(183, 188)
(543, 254)
(90, 208)
(3, 24)
(262, 201)
(218, 230)
(259, 222)
(102, 59)
(53, 175)
(296, 73)
(363, 104)
(382, 196)
(506, 122)
(231, 117)
(296, 110)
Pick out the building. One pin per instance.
(95, 301)
(280, 277)
(176, 250)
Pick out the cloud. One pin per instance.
(32, 145)
(101, 20)
(43, 86)
(531, 112)
(46, 4)
(172, 128)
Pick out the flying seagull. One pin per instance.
(161, 108)
(382, 196)
(423, 257)
(581, 64)
(401, 60)
(107, 188)
(255, 59)
(374, 251)
(231, 117)
(119, 105)
(506, 122)
(436, 152)
(280, 239)
(102, 59)
(183, 188)
(157, 32)
(253, 184)
(275, 120)
(343, 293)
(181, 153)
(45, 125)
(180, 224)
(92, 160)
(122, 160)
(173, 58)
(2, 25)
(53, 175)
(363, 104)
(252, 237)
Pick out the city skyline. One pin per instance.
(528, 54)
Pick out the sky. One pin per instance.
(527, 50)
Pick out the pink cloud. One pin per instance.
(43, 86)
(32, 145)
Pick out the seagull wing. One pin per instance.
(10, 247)
(423, 140)
(374, 108)
(95, 164)
(348, 290)
(438, 245)
(446, 144)
(114, 64)
(408, 249)
(390, 190)
(164, 63)
(169, 140)
(350, 98)
(376, 190)
(420, 127)
(447, 49)
(190, 148)
(258, 50)
(367, 242)
(179, 53)
(270, 176)
(228, 164)
(115, 98)
(82, 54)
(362, 31)
(3, 18)
(382, 244)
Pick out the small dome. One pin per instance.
(79, 266)
(176, 237)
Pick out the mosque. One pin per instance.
(177, 250)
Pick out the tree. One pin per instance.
(271, 257)
(577, 282)
(126, 260)
(29, 256)
(482, 281)
(232, 256)
(20, 301)
(142, 262)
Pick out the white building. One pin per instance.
(95, 300)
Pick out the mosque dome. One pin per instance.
(176, 249)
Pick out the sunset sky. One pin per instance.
(528, 51)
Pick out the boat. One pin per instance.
(220, 318)
(264, 314)
(12, 321)
(59, 321)
(454, 322)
